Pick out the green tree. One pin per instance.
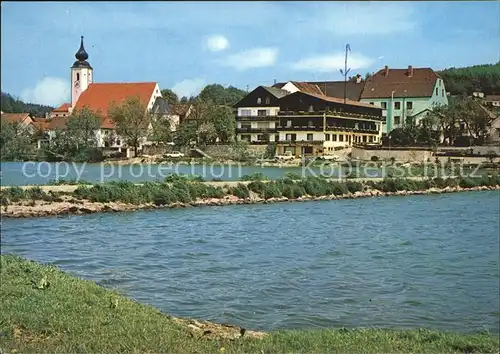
(132, 121)
(223, 120)
(16, 142)
(170, 96)
(82, 126)
(161, 130)
(219, 95)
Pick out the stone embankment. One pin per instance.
(80, 207)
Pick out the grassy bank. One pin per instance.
(180, 189)
(47, 310)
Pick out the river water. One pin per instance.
(33, 173)
(397, 262)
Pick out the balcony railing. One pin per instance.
(327, 129)
(255, 130)
(257, 118)
(301, 142)
(329, 114)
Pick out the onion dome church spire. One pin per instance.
(81, 57)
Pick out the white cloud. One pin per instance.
(332, 62)
(216, 43)
(51, 91)
(252, 58)
(189, 87)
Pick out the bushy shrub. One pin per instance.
(14, 194)
(257, 187)
(293, 176)
(272, 190)
(293, 191)
(256, 176)
(36, 193)
(354, 186)
(339, 188)
(468, 182)
(240, 191)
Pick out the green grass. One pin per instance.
(47, 310)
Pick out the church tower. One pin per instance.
(81, 74)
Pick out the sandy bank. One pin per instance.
(80, 207)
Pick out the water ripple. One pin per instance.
(408, 262)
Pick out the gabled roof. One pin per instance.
(57, 123)
(41, 123)
(276, 92)
(98, 96)
(340, 100)
(181, 109)
(307, 87)
(62, 108)
(15, 117)
(420, 84)
(336, 89)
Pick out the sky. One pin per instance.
(187, 45)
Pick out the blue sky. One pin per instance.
(186, 45)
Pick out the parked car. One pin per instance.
(174, 154)
(288, 156)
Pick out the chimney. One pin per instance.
(358, 78)
(386, 71)
(410, 71)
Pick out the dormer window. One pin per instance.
(259, 100)
(268, 100)
(311, 108)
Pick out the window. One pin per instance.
(334, 137)
(310, 124)
(341, 137)
(327, 137)
(371, 139)
(268, 100)
(364, 138)
(311, 108)
(383, 105)
(246, 112)
(397, 105)
(371, 103)
(309, 137)
(77, 76)
(442, 92)
(437, 91)
(462, 126)
(259, 100)
(397, 120)
(276, 137)
(261, 112)
(291, 137)
(439, 82)
(288, 124)
(409, 105)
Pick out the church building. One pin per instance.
(99, 96)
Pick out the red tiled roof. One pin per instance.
(98, 97)
(57, 123)
(420, 84)
(14, 117)
(41, 123)
(341, 100)
(307, 87)
(63, 108)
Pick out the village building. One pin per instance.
(405, 95)
(257, 115)
(310, 124)
(98, 97)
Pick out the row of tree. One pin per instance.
(464, 81)
(10, 104)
